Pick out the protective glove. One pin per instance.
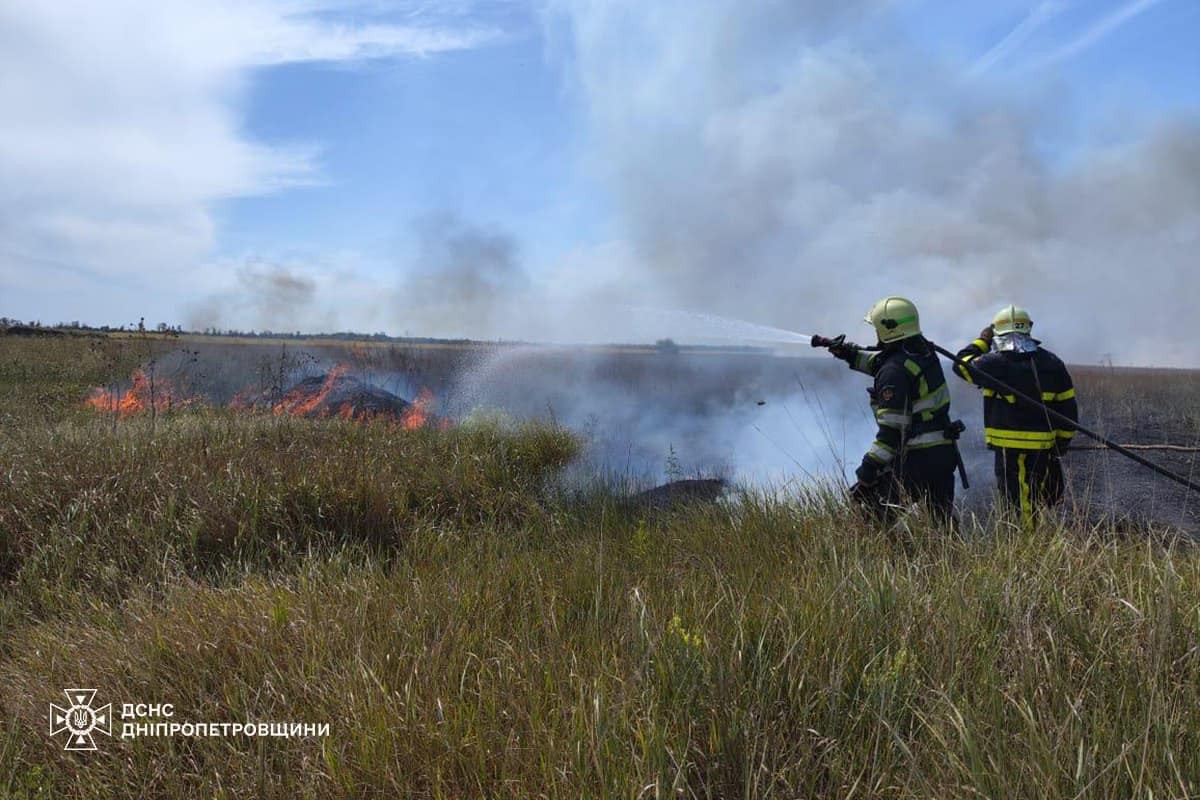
(837, 345)
(861, 492)
(846, 351)
(867, 472)
(988, 334)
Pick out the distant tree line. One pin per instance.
(16, 325)
(36, 327)
(12, 324)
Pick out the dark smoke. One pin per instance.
(276, 292)
(461, 276)
(268, 297)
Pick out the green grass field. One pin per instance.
(467, 627)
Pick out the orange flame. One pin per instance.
(348, 411)
(303, 400)
(143, 395)
(297, 402)
(416, 415)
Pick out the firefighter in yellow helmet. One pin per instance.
(913, 455)
(1026, 440)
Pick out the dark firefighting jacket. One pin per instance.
(1009, 422)
(910, 399)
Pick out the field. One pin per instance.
(472, 615)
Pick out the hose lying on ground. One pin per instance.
(1178, 448)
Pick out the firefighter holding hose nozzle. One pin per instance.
(1026, 440)
(914, 454)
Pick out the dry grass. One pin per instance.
(1133, 398)
(467, 629)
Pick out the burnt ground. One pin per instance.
(331, 394)
(1106, 487)
(1128, 492)
(1139, 406)
(679, 493)
(764, 419)
(1127, 406)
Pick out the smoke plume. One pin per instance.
(267, 297)
(790, 163)
(460, 273)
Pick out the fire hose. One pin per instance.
(1174, 448)
(953, 431)
(821, 341)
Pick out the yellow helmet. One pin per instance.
(894, 318)
(1012, 319)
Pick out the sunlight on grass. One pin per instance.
(470, 627)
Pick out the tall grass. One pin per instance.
(468, 630)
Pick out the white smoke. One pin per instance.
(777, 161)
(789, 163)
(660, 415)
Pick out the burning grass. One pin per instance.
(144, 394)
(337, 393)
(468, 630)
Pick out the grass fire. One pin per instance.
(603, 399)
(336, 393)
(141, 396)
(224, 533)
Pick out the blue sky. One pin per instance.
(495, 134)
(489, 133)
(167, 158)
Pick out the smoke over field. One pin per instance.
(776, 421)
(789, 163)
(439, 593)
(646, 413)
(570, 513)
(776, 161)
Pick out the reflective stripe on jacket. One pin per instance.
(910, 399)
(1008, 422)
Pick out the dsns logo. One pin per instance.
(80, 719)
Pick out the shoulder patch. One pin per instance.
(886, 394)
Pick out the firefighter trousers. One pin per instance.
(925, 475)
(1029, 479)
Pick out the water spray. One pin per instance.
(652, 322)
(741, 329)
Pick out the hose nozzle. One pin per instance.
(824, 341)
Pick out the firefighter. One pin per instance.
(914, 454)
(1027, 442)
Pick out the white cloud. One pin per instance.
(122, 127)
